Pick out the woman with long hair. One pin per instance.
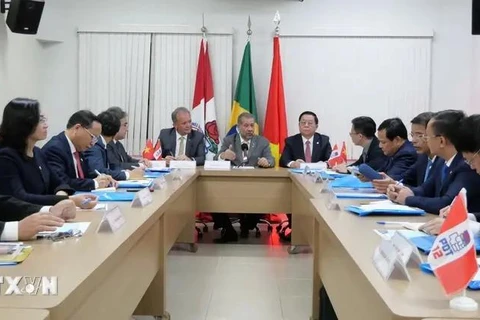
(24, 171)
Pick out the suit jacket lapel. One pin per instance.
(66, 145)
(316, 146)
(301, 147)
(173, 139)
(187, 144)
(253, 145)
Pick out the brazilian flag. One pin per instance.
(244, 100)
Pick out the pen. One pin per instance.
(399, 183)
(387, 222)
(86, 201)
(97, 172)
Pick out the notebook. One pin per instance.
(13, 253)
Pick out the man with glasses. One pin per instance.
(440, 190)
(362, 134)
(468, 143)
(64, 153)
(306, 146)
(427, 163)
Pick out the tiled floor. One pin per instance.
(248, 280)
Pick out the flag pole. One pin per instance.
(249, 30)
(463, 303)
(204, 29)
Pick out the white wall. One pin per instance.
(49, 72)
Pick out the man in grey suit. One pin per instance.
(181, 142)
(118, 159)
(245, 148)
(242, 149)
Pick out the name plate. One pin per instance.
(142, 198)
(388, 262)
(175, 164)
(112, 220)
(314, 165)
(217, 165)
(406, 250)
(159, 164)
(159, 183)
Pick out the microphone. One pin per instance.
(244, 150)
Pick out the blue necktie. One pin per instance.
(429, 167)
(445, 171)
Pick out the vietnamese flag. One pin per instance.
(344, 152)
(148, 151)
(275, 129)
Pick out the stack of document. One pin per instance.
(474, 283)
(12, 253)
(385, 208)
(140, 184)
(74, 227)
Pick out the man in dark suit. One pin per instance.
(393, 140)
(427, 163)
(440, 190)
(362, 134)
(467, 143)
(181, 142)
(242, 149)
(306, 146)
(64, 153)
(97, 155)
(118, 158)
(34, 218)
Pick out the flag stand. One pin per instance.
(463, 303)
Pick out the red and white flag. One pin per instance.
(204, 117)
(453, 256)
(335, 158)
(157, 150)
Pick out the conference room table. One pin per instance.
(24, 314)
(114, 275)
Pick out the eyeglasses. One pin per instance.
(94, 138)
(353, 133)
(307, 123)
(43, 119)
(469, 162)
(418, 136)
(426, 137)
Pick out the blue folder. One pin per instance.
(392, 212)
(134, 184)
(154, 174)
(425, 243)
(350, 181)
(473, 285)
(352, 194)
(113, 196)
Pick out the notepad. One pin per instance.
(67, 226)
(154, 174)
(157, 169)
(16, 253)
(474, 283)
(384, 208)
(409, 234)
(116, 196)
(109, 189)
(134, 183)
(350, 181)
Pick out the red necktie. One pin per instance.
(308, 152)
(79, 165)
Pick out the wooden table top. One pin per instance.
(76, 259)
(422, 297)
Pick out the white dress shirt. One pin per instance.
(10, 229)
(73, 150)
(304, 148)
(177, 144)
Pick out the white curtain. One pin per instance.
(114, 70)
(174, 67)
(340, 78)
